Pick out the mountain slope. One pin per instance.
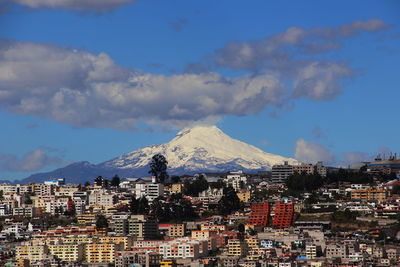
(201, 148)
(192, 150)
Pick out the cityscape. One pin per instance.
(213, 133)
(294, 215)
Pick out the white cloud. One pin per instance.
(31, 161)
(356, 157)
(311, 152)
(87, 90)
(83, 89)
(78, 5)
(293, 54)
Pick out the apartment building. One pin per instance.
(125, 241)
(27, 211)
(177, 188)
(101, 252)
(236, 179)
(31, 252)
(176, 230)
(237, 247)
(102, 198)
(67, 252)
(259, 215)
(283, 215)
(244, 195)
(213, 227)
(370, 194)
(180, 249)
(280, 173)
(150, 191)
(311, 251)
(130, 258)
(138, 226)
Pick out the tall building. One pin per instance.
(259, 214)
(280, 173)
(283, 215)
(137, 226)
(149, 190)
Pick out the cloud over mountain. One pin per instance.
(31, 161)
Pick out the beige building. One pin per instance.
(101, 252)
(237, 247)
(311, 251)
(177, 188)
(369, 194)
(244, 195)
(177, 230)
(67, 252)
(31, 252)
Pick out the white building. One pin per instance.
(236, 180)
(149, 190)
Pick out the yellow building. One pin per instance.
(237, 247)
(167, 264)
(369, 194)
(101, 252)
(177, 188)
(78, 239)
(200, 234)
(67, 252)
(31, 252)
(84, 219)
(177, 230)
(244, 195)
(124, 240)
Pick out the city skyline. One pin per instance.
(93, 81)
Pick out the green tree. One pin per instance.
(194, 188)
(158, 167)
(87, 184)
(115, 181)
(175, 179)
(28, 199)
(229, 202)
(143, 206)
(241, 228)
(101, 222)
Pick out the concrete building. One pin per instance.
(137, 226)
(280, 173)
(177, 230)
(237, 248)
(101, 252)
(311, 251)
(369, 194)
(259, 215)
(150, 191)
(31, 252)
(67, 252)
(283, 215)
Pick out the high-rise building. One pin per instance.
(259, 214)
(280, 173)
(283, 215)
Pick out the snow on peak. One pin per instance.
(202, 148)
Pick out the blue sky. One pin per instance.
(332, 92)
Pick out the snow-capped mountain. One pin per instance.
(197, 149)
(201, 148)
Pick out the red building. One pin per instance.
(284, 215)
(259, 214)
